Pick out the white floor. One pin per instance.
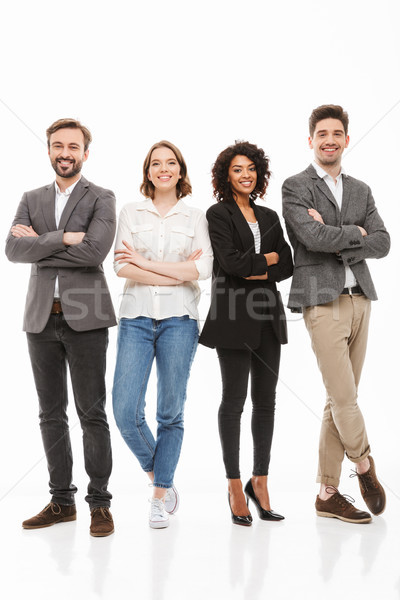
(201, 555)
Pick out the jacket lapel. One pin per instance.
(242, 227)
(265, 226)
(322, 187)
(49, 207)
(346, 196)
(78, 192)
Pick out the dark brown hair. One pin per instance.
(183, 187)
(328, 111)
(69, 124)
(222, 189)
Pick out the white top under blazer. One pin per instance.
(171, 238)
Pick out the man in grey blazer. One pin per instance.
(333, 226)
(65, 230)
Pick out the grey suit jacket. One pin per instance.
(83, 289)
(318, 276)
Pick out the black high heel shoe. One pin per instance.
(238, 519)
(265, 515)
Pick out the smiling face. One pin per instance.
(328, 142)
(242, 175)
(164, 170)
(67, 153)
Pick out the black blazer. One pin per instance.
(238, 306)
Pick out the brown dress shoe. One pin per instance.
(51, 514)
(338, 507)
(371, 490)
(102, 522)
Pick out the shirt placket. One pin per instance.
(160, 257)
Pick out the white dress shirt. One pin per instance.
(337, 191)
(171, 238)
(60, 203)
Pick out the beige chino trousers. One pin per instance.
(339, 333)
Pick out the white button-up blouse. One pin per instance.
(171, 238)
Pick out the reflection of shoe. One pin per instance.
(265, 515)
(102, 523)
(158, 516)
(339, 507)
(238, 519)
(371, 490)
(51, 514)
(171, 500)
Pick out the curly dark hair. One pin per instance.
(222, 189)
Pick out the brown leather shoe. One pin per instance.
(51, 514)
(371, 490)
(339, 507)
(102, 522)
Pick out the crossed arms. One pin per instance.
(60, 248)
(354, 242)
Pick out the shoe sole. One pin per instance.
(158, 524)
(173, 511)
(101, 534)
(64, 520)
(332, 516)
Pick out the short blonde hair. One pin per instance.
(183, 187)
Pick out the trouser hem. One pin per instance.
(360, 458)
(334, 481)
(63, 502)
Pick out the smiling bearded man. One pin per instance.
(65, 230)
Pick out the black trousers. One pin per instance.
(85, 353)
(262, 364)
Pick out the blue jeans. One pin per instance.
(173, 343)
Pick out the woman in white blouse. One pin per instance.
(162, 249)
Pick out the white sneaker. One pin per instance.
(158, 517)
(171, 500)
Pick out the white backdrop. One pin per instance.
(201, 75)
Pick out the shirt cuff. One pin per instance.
(204, 267)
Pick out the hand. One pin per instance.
(315, 215)
(73, 237)
(19, 231)
(363, 232)
(196, 254)
(257, 277)
(129, 255)
(272, 258)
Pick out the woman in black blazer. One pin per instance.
(246, 321)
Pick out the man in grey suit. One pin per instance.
(333, 226)
(65, 230)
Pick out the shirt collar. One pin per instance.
(180, 207)
(69, 189)
(323, 174)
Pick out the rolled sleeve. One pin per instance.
(202, 240)
(204, 266)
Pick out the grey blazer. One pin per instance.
(319, 274)
(83, 289)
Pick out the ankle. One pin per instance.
(323, 494)
(235, 486)
(159, 493)
(363, 466)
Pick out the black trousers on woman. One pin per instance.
(262, 364)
